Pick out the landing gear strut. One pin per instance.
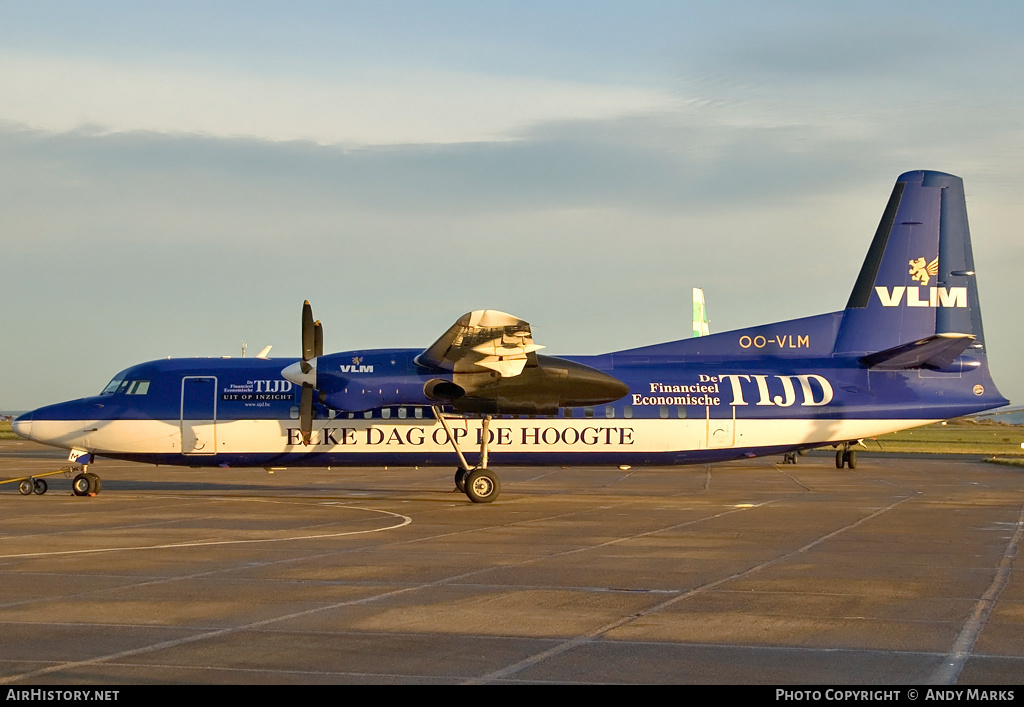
(480, 484)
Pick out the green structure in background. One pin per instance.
(700, 314)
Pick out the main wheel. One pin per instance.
(25, 487)
(840, 459)
(460, 479)
(851, 459)
(39, 486)
(482, 486)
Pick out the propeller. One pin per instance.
(312, 347)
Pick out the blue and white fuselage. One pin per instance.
(907, 350)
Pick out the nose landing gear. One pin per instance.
(86, 484)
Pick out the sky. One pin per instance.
(177, 177)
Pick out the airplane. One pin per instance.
(907, 350)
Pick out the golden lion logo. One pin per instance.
(921, 271)
(357, 360)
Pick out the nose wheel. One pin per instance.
(86, 484)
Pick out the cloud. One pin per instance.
(359, 106)
(155, 210)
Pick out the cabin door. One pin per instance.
(721, 431)
(198, 415)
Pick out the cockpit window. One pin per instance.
(112, 386)
(116, 384)
(122, 385)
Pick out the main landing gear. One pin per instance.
(480, 484)
(846, 456)
(790, 457)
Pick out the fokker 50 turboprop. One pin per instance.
(907, 350)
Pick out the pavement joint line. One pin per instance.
(206, 635)
(167, 580)
(593, 514)
(589, 637)
(963, 646)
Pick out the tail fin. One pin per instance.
(917, 281)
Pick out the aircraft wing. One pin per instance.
(485, 339)
(937, 351)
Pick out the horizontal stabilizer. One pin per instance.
(938, 351)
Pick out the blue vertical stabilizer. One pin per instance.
(918, 278)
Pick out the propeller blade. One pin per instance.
(306, 413)
(308, 332)
(318, 338)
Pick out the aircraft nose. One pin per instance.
(22, 425)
